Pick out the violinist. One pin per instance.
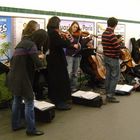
(72, 56)
(59, 91)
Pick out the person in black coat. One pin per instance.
(59, 90)
(20, 80)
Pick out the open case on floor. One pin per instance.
(87, 98)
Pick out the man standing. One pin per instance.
(111, 50)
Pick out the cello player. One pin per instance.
(86, 65)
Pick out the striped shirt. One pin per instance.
(111, 47)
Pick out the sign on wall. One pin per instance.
(84, 25)
(19, 23)
(5, 37)
(101, 26)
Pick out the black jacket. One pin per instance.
(58, 78)
(23, 64)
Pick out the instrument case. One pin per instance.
(88, 100)
(44, 111)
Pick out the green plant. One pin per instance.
(4, 47)
(5, 94)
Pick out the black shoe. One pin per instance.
(19, 128)
(112, 100)
(63, 106)
(35, 133)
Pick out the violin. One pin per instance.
(83, 34)
(66, 35)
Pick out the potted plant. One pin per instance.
(5, 95)
(4, 48)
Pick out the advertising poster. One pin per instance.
(19, 23)
(100, 28)
(5, 37)
(84, 25)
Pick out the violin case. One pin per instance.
(92, 99)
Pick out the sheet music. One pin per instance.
(85, 94)
(125, 87)
(43, 105)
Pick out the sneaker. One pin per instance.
(112, 100)
(34, 133)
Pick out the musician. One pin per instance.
(20, 80)
(86, 66)
(111, 50)
(30, 27)
(40, 77)
(73, 58)
(129, 68)
(59, 91)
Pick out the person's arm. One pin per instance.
(35, 56)
(59, 40)
(115, 41)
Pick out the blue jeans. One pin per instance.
(112, 75)
(73, 66)
(29, 113)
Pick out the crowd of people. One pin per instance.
(62, 66)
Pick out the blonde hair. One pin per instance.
(30, 27)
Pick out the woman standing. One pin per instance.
(58, 79)
(72, 56)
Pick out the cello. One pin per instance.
(126, 58)
(96, 64)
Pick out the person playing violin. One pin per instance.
(59, 91)
(73, 58)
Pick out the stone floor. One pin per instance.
(119, 121)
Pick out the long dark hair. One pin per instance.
(39, 37)
(74, 22)
(53, 23)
